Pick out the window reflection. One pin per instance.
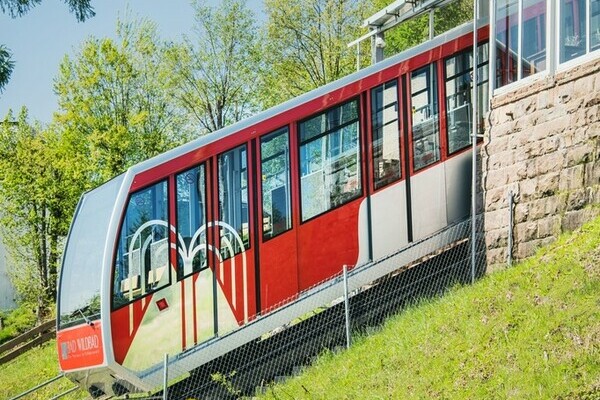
(142, 262)
(275, 171)
(386, 138)
(425, 119)
(233, 202)
(572, 29)
(191, 221)
(329, 159)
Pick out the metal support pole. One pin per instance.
(41, 385)
(510, 227)
(165, 377)
(347, 307)
(358, 56)
(431, 26)
(474, 133)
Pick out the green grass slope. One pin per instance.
(29, 370)
(528, 332)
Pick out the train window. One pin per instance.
(506, 41)
(459, 75)
(329, 159)
(425, 119)
(233, 202)
(386, 138)
(275, 171)
(142, 262)
(191, 221)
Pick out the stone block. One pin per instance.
(497, 238)
(576, 199)
(549, 226)
(572, 178)
(500, 160)
(528, 190)
(552, 162)
(527, 249)
(592, 174)
(574, 219)
(579, 154)
(496, 258)
(521, 212)
(496, 219)
(526, 231)
(548, 184)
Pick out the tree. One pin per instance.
(114, 103)
(215, 73)
(36, 202)
(416, 31)
(16, 8)
(307, 44)
(6, 66)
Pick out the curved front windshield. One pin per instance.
(79, 289)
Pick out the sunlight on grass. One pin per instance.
(532, 331)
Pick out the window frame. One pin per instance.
(358, 121)
(130, 196)
(217, 206)
(378, 186)
(176, 213)
(284, 130)
(435, 95)
(481, 66)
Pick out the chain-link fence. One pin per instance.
(279, 344)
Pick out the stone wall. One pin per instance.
(543, 144)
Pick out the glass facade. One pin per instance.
(527, 42)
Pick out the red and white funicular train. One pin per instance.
(195, 243)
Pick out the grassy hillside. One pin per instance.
(529, 332)
(34, 367)
(532, 331)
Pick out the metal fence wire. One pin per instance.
(377, 290)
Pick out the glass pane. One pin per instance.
(275, 171)
(572, 29)
(142, 262)
(83, 257)
(233, 202)
(533, 45)
(426, 145)
(386, 137)
(458, 101)
(506, 41)
(595, 25)
(191, 222)
(330, 165)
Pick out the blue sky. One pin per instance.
(41, 38)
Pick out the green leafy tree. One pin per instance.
(15, 8)
(416, 31)
(6, 66)
(307, 44)
(36, 204)
(115, 106)
(215, 73)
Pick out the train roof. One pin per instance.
(297, 101)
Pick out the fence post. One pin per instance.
(347, 307)
(510, 227)
(165, 377)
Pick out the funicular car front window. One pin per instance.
(82, 261)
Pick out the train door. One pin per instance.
(277, 241)
(427, 182)
(388, 208)
(331, 187)
(232, 238)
